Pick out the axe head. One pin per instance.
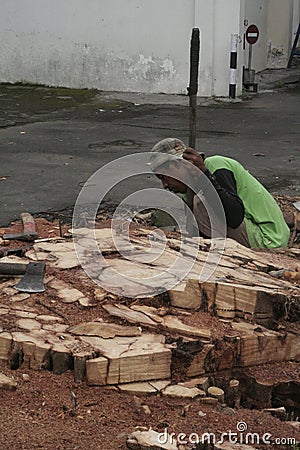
(33, 280)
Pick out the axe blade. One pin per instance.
(33, 280)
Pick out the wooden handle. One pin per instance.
(194, 61)
(28, 223)
(193, 87)
(12, 268)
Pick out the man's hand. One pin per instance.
(194, 157)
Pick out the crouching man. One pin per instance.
(253, 217)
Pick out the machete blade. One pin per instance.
(33, 280)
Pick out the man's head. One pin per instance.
(167, 164)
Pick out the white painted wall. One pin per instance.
(226, 22)
(296, 17)
(130, 45)
(277, 21)
(256, 12)
(280, 25)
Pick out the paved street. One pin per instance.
(50, 147)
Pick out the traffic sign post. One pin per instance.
(251, 35)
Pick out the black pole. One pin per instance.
(193, 87)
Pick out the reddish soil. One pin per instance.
(39, 413)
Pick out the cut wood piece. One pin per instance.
(130, 315)
(104, 330)
(217, 393)
(256, 394)
(48, 319)
(198, 365)
(34, 349)
(140, 280)
(233, 394)
(96, 371)
(29, 324)
(65, 292)
(141, 388)
(140, 358)
(186, 295)
(20, 297)
(80, 359)
(61, 359)
(5, 345)
(58, 254)
(201, 383)
(23, 314)
(150, 440)
(10, 291)
(58, 328)
(70, 295)
(86, 302)
(176, 390)
(231, 299)
(100, 294)
(159, 385)
(233, 248)
(259, 345)
(36, 355)
(172, 323)
(7, 383)
(237, 297)
(154, 313)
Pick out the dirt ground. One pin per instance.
(40, 412)
(39, 415)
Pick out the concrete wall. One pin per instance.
(227, 21)
(131, 45)
(216, 24)
(280, 25)
(277, 21)
(107, 44)
(256, 12)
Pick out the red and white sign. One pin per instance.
(252, 34)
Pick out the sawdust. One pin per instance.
(39, 413)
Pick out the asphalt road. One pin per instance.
(47, 155)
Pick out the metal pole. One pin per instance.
(233, 65)
(250, 58)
